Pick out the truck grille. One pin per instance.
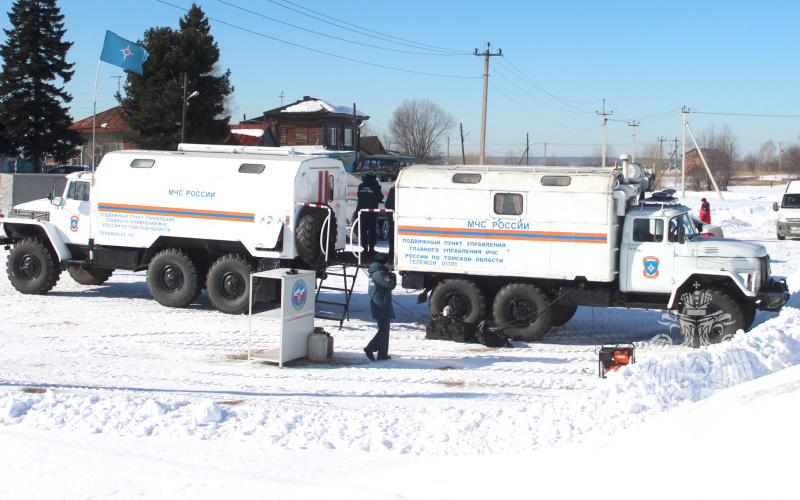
(765, 272)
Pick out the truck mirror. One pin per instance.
(775, 206)
(682, 235)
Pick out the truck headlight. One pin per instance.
(756, 284)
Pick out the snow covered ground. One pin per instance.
(104, 393)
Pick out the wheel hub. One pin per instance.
(30, 267)
(521, 312)
(459, 305)
(233, 285)
(172, 278)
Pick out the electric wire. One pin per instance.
(321, 51)
(539, 116)
(335, 37)
(382, 36)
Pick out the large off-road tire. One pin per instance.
(228, 284)
(781, 237)
(173, 279)
(466, 300)
(749, 315)
(522, 311)
(32, 267)
(562, 314)
(89, 276)
(310, 224)
(717, 318)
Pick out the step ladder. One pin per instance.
(339, 279)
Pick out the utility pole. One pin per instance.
(605, 120)
(486, 54)
(780, 151)
(448, 150)
(544, 160)
(463, 158)
(660, 154)
(683, 162)
(633, 124)
(527, 149)
(356, 138)
(282, 96)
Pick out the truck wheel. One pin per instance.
(465, 299)
(562, 314)
(521, 311)
(172, 278)
(307, 238)
(780, 237)
(714, 321)
(228, 284)
(32, 267)
(89, 276)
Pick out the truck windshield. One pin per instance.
(676, 223)
(791, 201)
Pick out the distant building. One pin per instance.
(251, 134)
(312, 122)
(111, 134)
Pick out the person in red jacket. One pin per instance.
(705, 211)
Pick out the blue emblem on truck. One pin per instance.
(73, 223)
(650, 267)
(299, 294)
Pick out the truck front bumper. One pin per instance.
(774, 296)
(789, 229)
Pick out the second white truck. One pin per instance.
(525, 246)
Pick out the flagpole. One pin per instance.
(94, 115)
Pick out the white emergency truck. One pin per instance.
(200, 217)
(789, 212)
(525, 246)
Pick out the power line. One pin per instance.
(321, 51)
(745, 114)
(537, 115)
(382, 36)
(563, 100)
(335, 37)
(500, 73)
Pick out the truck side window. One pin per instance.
(508, 204)
(648, 230)
(78, 191)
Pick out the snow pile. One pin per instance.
(316, 105)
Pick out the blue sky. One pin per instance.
(560, 60)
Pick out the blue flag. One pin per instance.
(123, 53)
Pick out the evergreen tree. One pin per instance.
(154, 100)
(32, 107)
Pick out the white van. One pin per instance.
(789, 212)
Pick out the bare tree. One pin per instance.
(767, 155)
(721, 149)
(791, 160)
(418, 128)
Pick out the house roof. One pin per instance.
(311, 105)
(109, 120)
(371, 145)
(251, 134)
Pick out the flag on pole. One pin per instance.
(123, 53)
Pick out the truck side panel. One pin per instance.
(559, 232)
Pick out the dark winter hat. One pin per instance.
(702, 199)
(370, 173)
(381, 258)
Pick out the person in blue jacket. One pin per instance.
(381, 283)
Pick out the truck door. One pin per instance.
(71, 214)
(651, 257)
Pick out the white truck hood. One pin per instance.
(724, 247)
(40, 205)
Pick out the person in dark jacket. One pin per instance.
(381, 283)
(369, 196)
(705, 211)
(390, 205)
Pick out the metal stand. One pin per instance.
(295, 314)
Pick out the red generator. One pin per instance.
(612, 356)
